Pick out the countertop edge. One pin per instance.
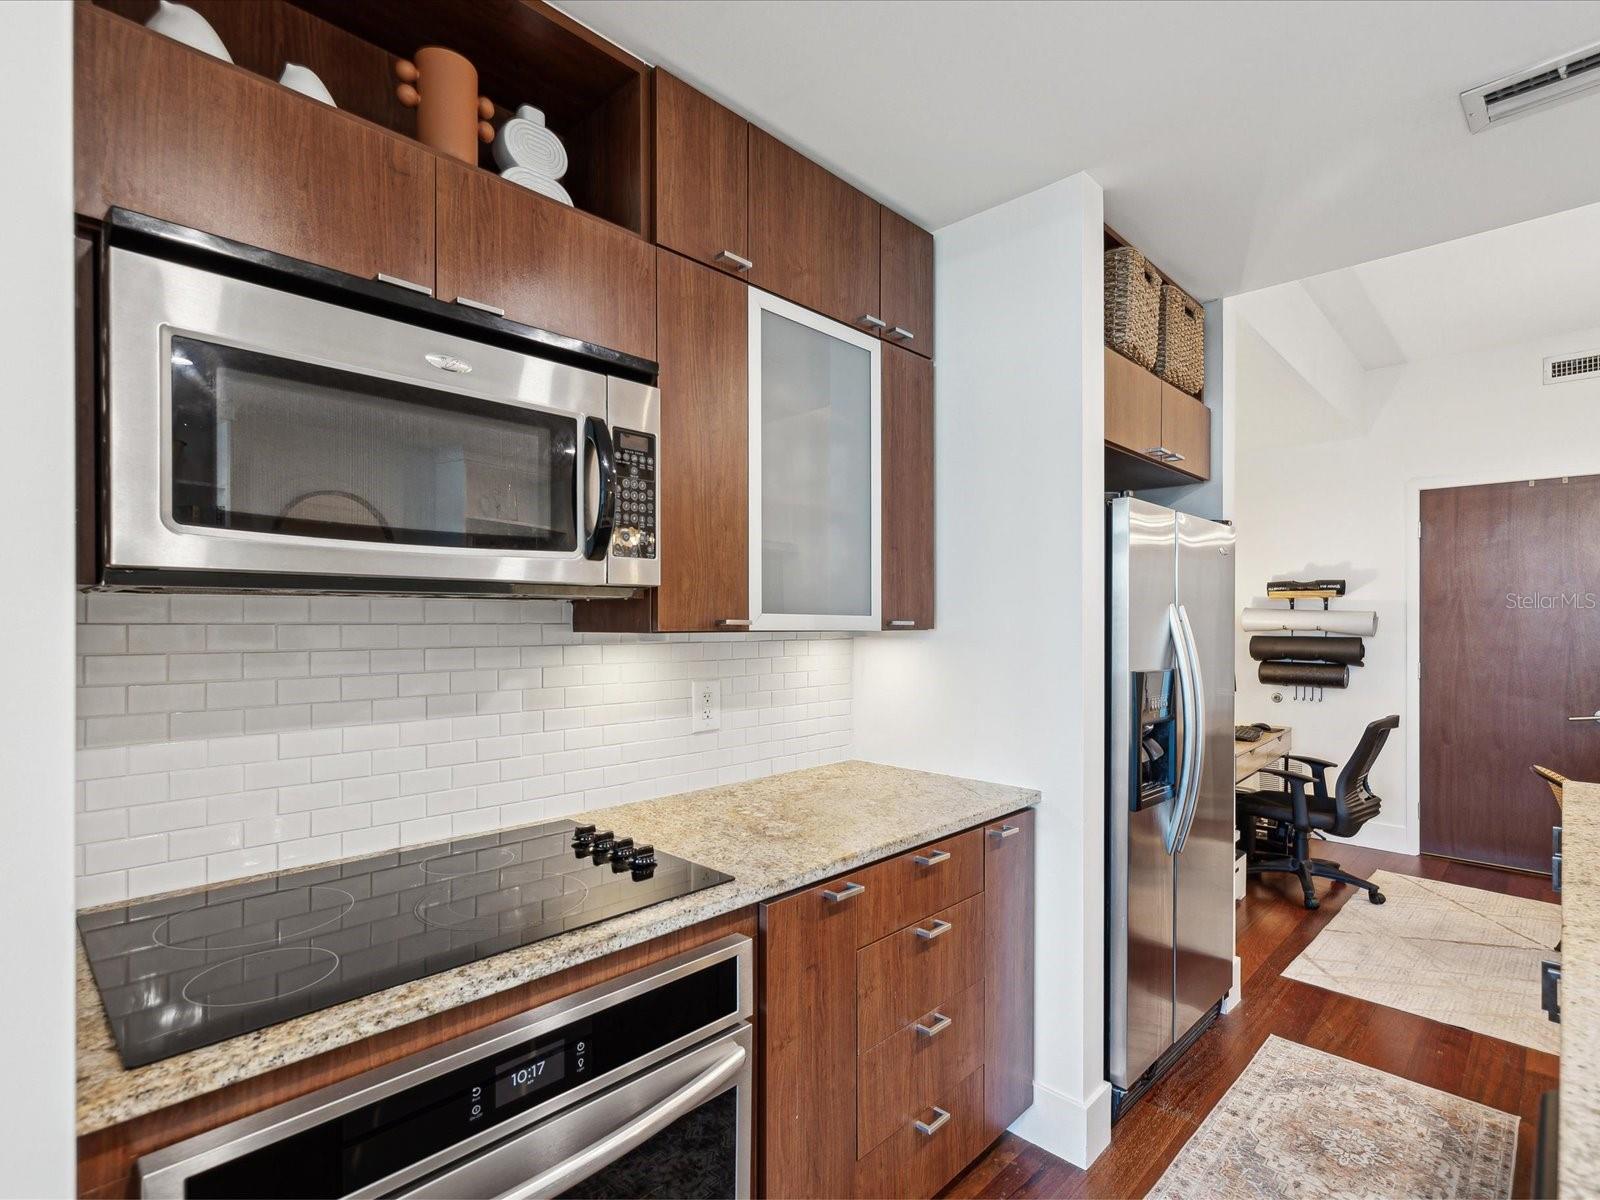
(474, 981)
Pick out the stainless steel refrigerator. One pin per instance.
(1169, 768)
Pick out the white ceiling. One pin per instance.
(1534, 280)
(1240, 144)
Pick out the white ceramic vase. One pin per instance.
(182, 24)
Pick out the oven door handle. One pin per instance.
(557, 1179)
(597, 532)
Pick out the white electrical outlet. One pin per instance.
(706, 705)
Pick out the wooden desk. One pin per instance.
(1250, 757)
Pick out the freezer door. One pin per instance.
(1203, 922)
(1141, 542)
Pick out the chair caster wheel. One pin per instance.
(1376, 897)
(1313, 902)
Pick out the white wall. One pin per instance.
(225, 736)
(1009, 685)
(1327, 489)
(36, 494)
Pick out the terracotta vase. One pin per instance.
(443, 87)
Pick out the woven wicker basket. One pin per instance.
(1181, 346)
(1133, 305)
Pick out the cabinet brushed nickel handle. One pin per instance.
(904, 334)
(929, 1128)
(738, 261)
(844, 893)
(1157, 452)
(734, 622)
(940, 1024)
(480, 306)
(872, 322)
(939, 928)
(1596, 717)
(405, 283)
(1173, 456)
(902, 624)
(1005, 831)
(931, 859)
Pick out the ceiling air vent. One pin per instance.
(1562, 368)
(1516, 95)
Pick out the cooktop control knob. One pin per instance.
(621, 853)
(600, 846)
(582, 835)
(643, 862)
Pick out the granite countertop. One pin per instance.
(773, 835)
(1580, 991)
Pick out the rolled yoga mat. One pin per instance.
(1332, 675)
(1347, 650)
(1310, 620)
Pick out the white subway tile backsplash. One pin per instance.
(223, 736)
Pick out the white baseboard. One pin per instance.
(1236, 992)
(1076, 1130)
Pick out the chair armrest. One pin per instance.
(1316, 764)
(1297, 793)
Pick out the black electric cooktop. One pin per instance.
(187, 971)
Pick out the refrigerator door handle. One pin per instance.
(1195, 764)
(1191, 729)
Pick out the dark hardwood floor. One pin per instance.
(1273, 929)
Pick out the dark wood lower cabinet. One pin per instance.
(878, 1048)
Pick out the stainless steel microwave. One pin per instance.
(257, 438)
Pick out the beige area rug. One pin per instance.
(1455, 954)
(1302, 1124)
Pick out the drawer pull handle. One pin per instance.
(396, 281)
(738, 261)
(844, 893)
(929, 1128)
(932, 859)
(902, 624)
(734, 622)
(940, 1024)
(1005, 831)
(902, 333)
(876, 324)
(939, 927)
(493, 310)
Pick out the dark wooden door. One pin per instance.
(908, 531)
(808, 1042)
(1008, 889)
(1510, 649)
(543, 263)
(906, 283)
(212, 146)
(705, 414)
(813, 237)
(702, 176)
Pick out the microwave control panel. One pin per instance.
(635, 532)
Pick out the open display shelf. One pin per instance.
(595, 97)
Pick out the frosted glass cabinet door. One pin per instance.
(815, 425)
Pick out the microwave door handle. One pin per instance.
(607, 1149)
(597, 533)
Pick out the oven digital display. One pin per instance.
(542, 1069)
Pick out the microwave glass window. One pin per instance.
(816, 471)
(262, 444)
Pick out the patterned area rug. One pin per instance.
(1455, 954)
(1302, 1124)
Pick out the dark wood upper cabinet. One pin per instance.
(1008, 889)
(702, 176)
(813, 237)
(808, 1043)
(543, 263)
(702, 331)
(908, 464)
(906, 255)
(167, 131)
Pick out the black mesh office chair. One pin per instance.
(1297, 814)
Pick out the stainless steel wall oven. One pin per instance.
(638, 1087)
